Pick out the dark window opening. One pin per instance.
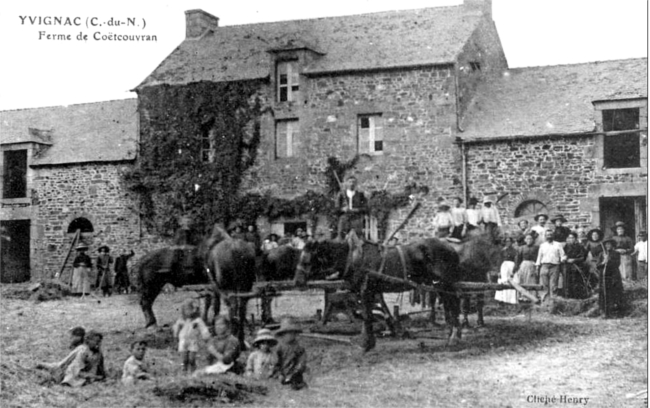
(379, 145)
(476, 66)
(80, 224)
(292, 226)
(15, 174)
(622, 150)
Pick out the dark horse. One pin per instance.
(227, 264)
(478, 256)
(422, 262)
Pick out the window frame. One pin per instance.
(612, 143)
(292, 74)
(375, 134)
(9, 175)
(291, 136)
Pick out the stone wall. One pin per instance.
(91, 191)
(559, 172)
(419, 121)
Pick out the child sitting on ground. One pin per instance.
(292, 358)
(135, 368)
(57, 370)
(88, 364)
(224, 349)
(262, 363)
(188, 330)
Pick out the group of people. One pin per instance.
(455, 221)
(276, 355)
(282, 357)
(573, 263)
(104, 278)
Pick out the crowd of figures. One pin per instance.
(274, 356)
(109, 274)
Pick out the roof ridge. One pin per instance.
(344, 16)
(70, 105)
(577, 64)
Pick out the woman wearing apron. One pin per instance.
(625, 247)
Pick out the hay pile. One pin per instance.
(225, 389)
(49, 290)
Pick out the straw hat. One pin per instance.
(609, 239)
(488, 199)
(81, 247)
(443, 204)
(265, 335)
(103, 247)
(536, 217)
(558, 217)
(288, 325)
(591, 231)
(618, 224)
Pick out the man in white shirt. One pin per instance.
(641, 252)
(549, 258)
(352, 207)
(473, 214)
(459, 215)
(490, 217)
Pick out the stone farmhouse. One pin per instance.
(425, 96)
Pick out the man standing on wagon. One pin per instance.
(352, 207)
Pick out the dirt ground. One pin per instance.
(522, 358)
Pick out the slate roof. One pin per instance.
(91, 132)
(358, 42)
(552, 99)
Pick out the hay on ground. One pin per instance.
(226, 389)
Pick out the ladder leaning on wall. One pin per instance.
(59, 275)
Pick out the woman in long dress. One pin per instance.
(509, 253)
(525, 260)
(81, 272)
(594, 248)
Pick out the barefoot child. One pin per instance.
(135, 368)
(292, 359)
(188, 330)
(262, 363)
(88, 365)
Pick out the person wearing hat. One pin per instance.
(459, 216)
(540, 228)
(625, 247)
(610, 289)
(549, 258)
(352, 208)
(443, 222)
(560, 232)
(81, 271)
(490, 217)
(576, 275)
(641, 252)
(104, 275)
(292, 357)
(594, 248)
(262, 363)
(473, 214)
(524, 229)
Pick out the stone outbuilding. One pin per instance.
(60, 173)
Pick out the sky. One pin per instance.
(37, 70)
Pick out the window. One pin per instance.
(371, 135)
(287, 78)
(15, 174)
(287, 141)
(530, 208)
(207, 147)
(621, 150)
(475, 66)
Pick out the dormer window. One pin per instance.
(621, 148)
(287, 80)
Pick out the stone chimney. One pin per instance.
(483, 5)
(197, 21)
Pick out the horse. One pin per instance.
(478, 256)
(226, 264)
(420, 262)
